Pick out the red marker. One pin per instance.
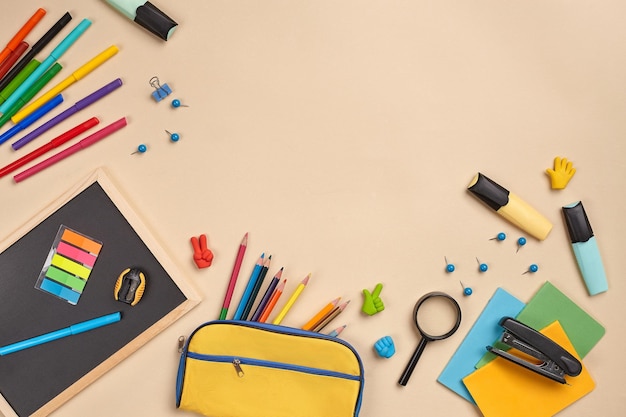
(12, 58)
(54, 143)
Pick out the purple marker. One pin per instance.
(81, 104)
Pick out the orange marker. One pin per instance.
(21, 34)
(321, 314)
(272, 303)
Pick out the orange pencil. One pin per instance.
(21, 34)
(321, 314)
(272, 303)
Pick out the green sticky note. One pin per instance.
(548, 305)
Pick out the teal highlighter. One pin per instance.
(56, 53)
(585, 248)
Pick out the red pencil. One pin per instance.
(54, 143)
(233, 276)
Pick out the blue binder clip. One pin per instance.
(161, 91)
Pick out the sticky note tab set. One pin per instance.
(68, 265)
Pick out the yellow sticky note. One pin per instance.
(502, 388)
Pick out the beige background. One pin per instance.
(342, 135)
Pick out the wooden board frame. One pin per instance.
(191, 294)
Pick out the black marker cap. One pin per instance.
(577, 222)
(491, 193)
(150, 17)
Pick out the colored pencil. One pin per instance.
(330, 317)
(321, 314)
(37, 47)
(272, 303)
(268, 294)
(79, 146)
(79, 74)
(12, 58)
(257, 287)
(54, 143)
(337, 331)
(256, 271)
(279, 318)
(233, 276)
(21, 34)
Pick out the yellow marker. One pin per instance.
(291, 300)
(91, 65)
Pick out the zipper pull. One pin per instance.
(237, 365)
(181, 344)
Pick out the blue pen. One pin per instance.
(246, 294)
(47, 63)
(32, 118)
(58, 334)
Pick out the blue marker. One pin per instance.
(31, 118)
(47, 63)
(585, 248)
(58, 334)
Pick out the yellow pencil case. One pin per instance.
(231, 368)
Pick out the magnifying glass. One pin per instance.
(433, 328)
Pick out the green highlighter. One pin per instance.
(19, 78)
(30, 93)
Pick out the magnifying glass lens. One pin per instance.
(436, 316)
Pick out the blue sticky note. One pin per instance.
(485, 330)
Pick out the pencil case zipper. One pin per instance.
(239, 364)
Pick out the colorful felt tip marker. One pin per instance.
(18, 79)
(56, 53)
(30, 93)
(74, 329)
(78, 106)
(83, 144)
(21, 34)
(510, 206)
(42, 111)
(585, 248)
(147, 15)
(80, 73)
(12, 58)
(54, 143)
(37, 47)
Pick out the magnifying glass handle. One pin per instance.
(411, 365)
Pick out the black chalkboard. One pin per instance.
(37, 380)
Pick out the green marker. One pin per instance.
(30, 93)
(19, 78)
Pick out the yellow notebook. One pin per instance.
(502, 388)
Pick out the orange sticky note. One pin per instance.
(502, 388)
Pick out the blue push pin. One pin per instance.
(532, 269)
(520, 242)
(500, 237)
(449, 266)
(174, 137)
(140, 149)
(176, 103)
(466, 290)
(482, 267)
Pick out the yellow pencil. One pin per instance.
(291, 300)
(81, 72)
(321, 314)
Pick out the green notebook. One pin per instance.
(550, 304)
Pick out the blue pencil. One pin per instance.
(256, 271)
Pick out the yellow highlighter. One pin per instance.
(510, 206)
(81, 72)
